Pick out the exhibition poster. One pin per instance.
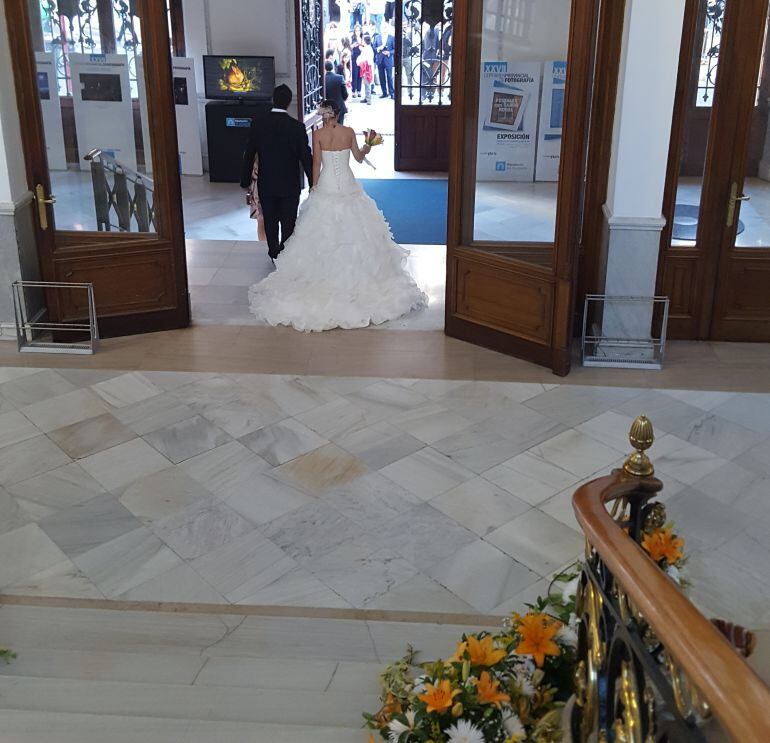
(551, 121)
(508, 108)
(50, 106)
(101, 96)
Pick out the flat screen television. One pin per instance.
(231, 77)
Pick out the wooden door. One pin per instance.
(718, 274)
(112, 224)
(513, 236)
(423, 80)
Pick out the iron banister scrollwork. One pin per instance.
(651, 666)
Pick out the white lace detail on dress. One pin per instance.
(341, 267)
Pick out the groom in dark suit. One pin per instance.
(280, 143)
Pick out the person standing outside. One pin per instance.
(386, 51)
(377, 14)
(366, 66)
(335, 90)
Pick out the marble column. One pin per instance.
(644, 110)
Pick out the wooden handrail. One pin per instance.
(735, 694)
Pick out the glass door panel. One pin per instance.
(522, 78)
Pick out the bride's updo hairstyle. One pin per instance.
(328, 110)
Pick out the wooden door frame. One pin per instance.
(58, 246)
(560, 273)
(698, 265)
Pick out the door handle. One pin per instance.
(42, 204)
(732, 203)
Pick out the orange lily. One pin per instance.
(482, 652)
(663, 545)
(438, 698)
(537, 632)
(489, 691)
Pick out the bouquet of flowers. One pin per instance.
(372, 138)
(507, 687)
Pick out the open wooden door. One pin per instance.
(423, 81)
(116, 220)
(521, 88)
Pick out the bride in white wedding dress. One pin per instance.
(341, 267)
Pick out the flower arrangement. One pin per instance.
(506, 687)
(372, 138)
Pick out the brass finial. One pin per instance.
(641, 438)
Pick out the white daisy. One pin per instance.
(514, 728)
(464, 731)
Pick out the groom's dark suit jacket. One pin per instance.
(281, 143)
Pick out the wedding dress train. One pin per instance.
(341, 267)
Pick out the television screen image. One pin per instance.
(99, 86)
(181, 98)
(43, 86)
(239, 78)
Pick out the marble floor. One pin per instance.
(339, 492)
(220, 273)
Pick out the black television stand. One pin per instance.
(227, 133)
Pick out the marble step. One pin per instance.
(223, 703)
(201, 670)
(23, 726)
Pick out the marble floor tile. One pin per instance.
(683, 461)
(227, 471)
(476, 448)
(728, 482)
(170, 380)
(14, 427)
(576, 453)
(420, 593)
(10, 373)
(521, 427)
(480, 506)
(293, 395)
(282, 442)
(150, 415)
(704, 522)
(611, 428)
(338, 419)
(265, 499)
(87, 377)
(247, 413)
(482, 575)
(538, 541)
(423, 536)
(126, 389)
(431, 422)
(12, 513)
(180, 584)
(62, 579)
(753, 552)
(88, 437)
(283, 674)
(478, 401)
(162, 494)
(359, 574)
(385, 399)
(28, 459)
(27, 389)
(702, 399)
(298, 587)
(86, 525)
(243, 566)
(126, 562)
(321, 470)
(756, 459)
(59, 488)
(719, 435)
(749, 410)
(118, 467)
(427, 473)
(530, 478)
(187, 439)
(379, 445)
(207, 394)
(371, 500)
(575, 405)
(64, 410)
(664, 413)
(201, 528)
(25, 552)
(311, 531)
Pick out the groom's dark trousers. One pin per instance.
(280, 143)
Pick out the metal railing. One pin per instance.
(123, 198)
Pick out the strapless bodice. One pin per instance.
(336, 174)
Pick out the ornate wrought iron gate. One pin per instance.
(309, 33)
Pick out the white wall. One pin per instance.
(260, 27)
